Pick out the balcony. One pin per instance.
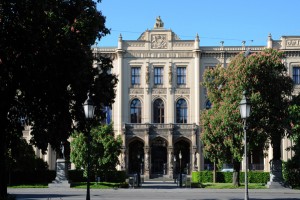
(159, 129)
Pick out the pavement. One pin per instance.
(154, 191)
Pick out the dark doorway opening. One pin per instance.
(183, 164)
(136, 157)
(158, 157)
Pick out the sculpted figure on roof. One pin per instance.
(159, 23)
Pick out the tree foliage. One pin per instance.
(292, 166)
(263, 76)
(104, 149)
(46, 69)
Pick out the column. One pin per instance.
(170, 96)
(147, 162)
(170, 151)
(147, 95)
(196, 108)
(170, 166)
(118, 119)
(194, 164)
(146, 153)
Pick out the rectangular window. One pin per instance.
(135, 76)
(181, 75)
(158, 75)
(296, 75)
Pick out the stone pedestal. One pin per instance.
(276, 180)
(61, 179)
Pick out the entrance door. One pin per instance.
(158, 157)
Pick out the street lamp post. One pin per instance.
(174, 169)
(88, 108)
(142, 171)
(138, 170)
(245, 108)
(180, 173)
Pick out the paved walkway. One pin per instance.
(155, 191)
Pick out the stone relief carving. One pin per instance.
(170, 75)
(159, 41)
(159, 91)
(293, 43)
(182, 91)
(136, 91)
(147, 75)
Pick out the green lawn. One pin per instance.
(95, 185)
(30, 186)
(230, 186)
(107, 185)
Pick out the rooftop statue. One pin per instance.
(159, 23)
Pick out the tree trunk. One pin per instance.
(3, 177)
(276, 163)
(215, 173)
(236, 173)
(276, 144)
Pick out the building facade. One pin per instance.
(159, 98)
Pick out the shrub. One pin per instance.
(31, 177)
(226, 177)
(291, 172)
(202, 177)
(258, 177)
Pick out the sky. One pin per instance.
(231, 21)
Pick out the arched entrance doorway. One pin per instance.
(183, 164)
(158, 157)
(136, 157)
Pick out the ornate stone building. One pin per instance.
(159, 98)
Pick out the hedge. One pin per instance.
(30, 177)
(42, 177)
(226, 177)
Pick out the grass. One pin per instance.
(231, 186)
(30, 186)
(95, 185)
(107, 185)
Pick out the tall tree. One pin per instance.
(46, 70)
(292, 166)
(105, 149)
(263, 75)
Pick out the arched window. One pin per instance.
(181, 111)
(158, 111)
(135, 111)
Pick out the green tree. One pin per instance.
(46, 69)
(104, 148)
(292, 166)
(263, 75)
